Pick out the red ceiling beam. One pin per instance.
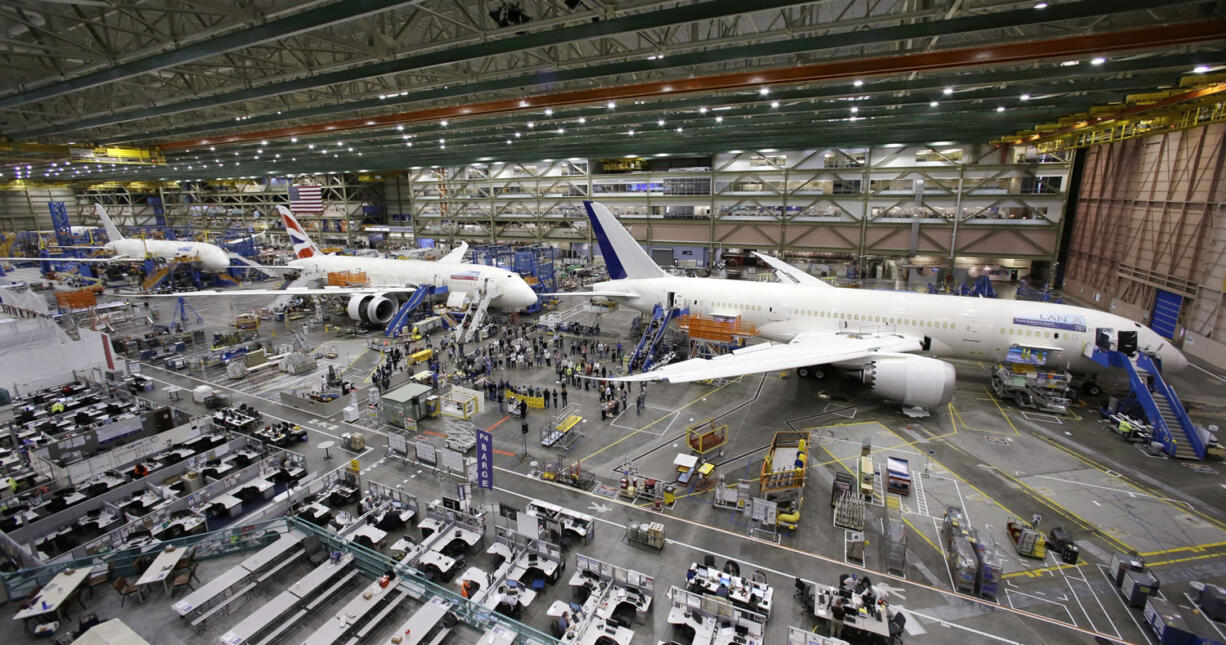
(1066, 47)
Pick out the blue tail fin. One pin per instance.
(622, 254)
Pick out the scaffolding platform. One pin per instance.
(705, 436)
(563, 428)
(785, 463)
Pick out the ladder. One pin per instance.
(917, 490)
(300, 338)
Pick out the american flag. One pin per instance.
(306, 199)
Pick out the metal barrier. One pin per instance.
(375, 564)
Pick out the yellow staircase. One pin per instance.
(156, 276)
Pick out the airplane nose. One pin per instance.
(523, 295)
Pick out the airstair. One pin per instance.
(653, 333)
(473, 316)
(155, 279)
(404, 315)
(1180, 437)
(255, 266)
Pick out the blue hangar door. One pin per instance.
(1166, 313)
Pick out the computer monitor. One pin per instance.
(451, 504)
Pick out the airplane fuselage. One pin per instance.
(981, 329)
(211, 257)
(513, 292)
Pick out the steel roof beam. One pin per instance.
(1138, 66)
(1132, 39)
(629, 23)
(335, 13)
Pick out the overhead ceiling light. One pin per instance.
(523, 104)
(561, 130)
(774, 104)
(400, 128)
(947, 91)
(933, 103)
(1070, 63)
(630, 132)
(702, 110)
(340, 143)
(293, 139)
(679, 130)
(610, 105)
(517, 134)
(508, 142)
(857, 83)
(548, 112)
(941, 143)
(1200, 69)
(764, 91)
(310, 146)
(1000, 108)
(212, 148)
(1097, 60)
(531, 124)
(660, 122)
(629, 156)
(854, 109)
(719, 119)
(661, 154)
(892, 145)
(1040, 5)
(443, 123)
(582, 120)
(264, 142)
(1024, 97)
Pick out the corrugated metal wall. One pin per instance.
(1151, 216)
(25, 210)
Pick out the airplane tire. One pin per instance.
(1091, 388)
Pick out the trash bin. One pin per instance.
(670, 494)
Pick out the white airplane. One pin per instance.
(211, 257)
(878, 334)
(391, 280)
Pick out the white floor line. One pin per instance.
(267, 414)
(1127, 610)
(1220, 378)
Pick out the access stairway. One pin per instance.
(1172, 427)
(473, 316)
(404, 315)
(653, 333)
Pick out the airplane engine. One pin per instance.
(373, 308)
(911, 380)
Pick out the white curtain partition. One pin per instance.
(35, 353)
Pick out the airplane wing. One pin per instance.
(107, 259)
(605, 294)
(791, 273)
(291, 291)
(806, 349)
(456, 255)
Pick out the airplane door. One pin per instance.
(670, 299)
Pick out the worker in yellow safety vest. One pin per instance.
(57, 407)
(1125, 428)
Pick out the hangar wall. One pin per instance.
(1150, 220)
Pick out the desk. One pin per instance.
(523, 564)
(402, 547)
(227, 502)
(857, 617)
(520, 595)
(261, 486)
(340, 624)
(160, 569)
(326, 446)
(500, 549)
(598, 629)
(369, 532)
(210, 590)
(740, 590)
(268, 554)
(54, 593)
(430, 526)
(443, 563)
(258, 621)
(421, 624)
(498, 635)
(318, 513)
(319, 576)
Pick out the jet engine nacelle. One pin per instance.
(373, 308)
(911, 380)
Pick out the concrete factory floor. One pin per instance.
(979, 453)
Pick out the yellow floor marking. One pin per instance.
(696, 400)
(923, 536)
(1198, 548)
(1149, 491)
(1187, 559)
(1034, 573)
